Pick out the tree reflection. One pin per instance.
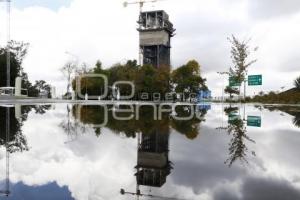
(71, 126)
(296, 120)
(17, 141)
(41, 109)
(291, 110)
(12, 118)
(237, 146)
(145, 120)
(189, 128)
(236, 128)
(15, 116)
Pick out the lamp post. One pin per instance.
(222, 74)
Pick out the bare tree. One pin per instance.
(83, 69)
(67, 71)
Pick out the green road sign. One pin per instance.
(254, 121)
(232, 117)
(233, 82)
(254, 80)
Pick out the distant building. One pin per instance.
(204, 95)
(155, 38)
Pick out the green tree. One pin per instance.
(231, 90)
(145, 79)
(18, 51)
(163, 80)
(98, 68)
(42, 86)
(127, 72)
(187, 79)
(240, 52)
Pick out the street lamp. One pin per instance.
(221, 74)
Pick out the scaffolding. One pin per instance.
(156, 32)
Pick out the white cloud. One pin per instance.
(105, 30)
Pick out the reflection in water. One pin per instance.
(5, 142)
(194, 170)
(72, 126)
(291, 110)
(49, 191)
(152, 133)
(296, 120)
(11, 136)
(11, 122)
(153, 165)
(237, 129)
(143, 119)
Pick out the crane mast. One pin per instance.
(140, 2)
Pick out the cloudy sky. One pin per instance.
(98, 29)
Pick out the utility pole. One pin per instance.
(245, 82)
(8, 41)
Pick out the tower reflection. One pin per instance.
(153, 165)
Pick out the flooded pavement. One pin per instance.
(92, 152)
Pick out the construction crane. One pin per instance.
(6, 191)
(139, 194)
(8, 40)
(141, 4)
